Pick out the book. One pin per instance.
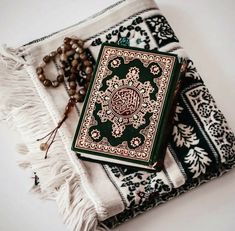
(126, 113)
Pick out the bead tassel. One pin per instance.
(51, 135)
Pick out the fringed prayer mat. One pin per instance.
(200, 148)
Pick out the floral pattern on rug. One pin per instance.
(138, 186)
(212, 121)
(134, 33)
(161, 30)
(196, 158)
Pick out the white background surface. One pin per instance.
(206, 29)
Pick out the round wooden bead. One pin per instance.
(41, 77)
(74, 63)
(60, 78)
(86, 63)
(79, 50)
(82, 56)
(88, 70)
(55, 83)
(43, 146)
(66, 47)
(67, 40)
(46, 59)
(72, 85)
(39, 70)
(74, 46)
(71, 92)
(78, 97)
(47, 83)
(53, 54)
(76, 56)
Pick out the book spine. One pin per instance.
(158, 163)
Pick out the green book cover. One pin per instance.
(127, 108)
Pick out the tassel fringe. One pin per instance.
(23, 109)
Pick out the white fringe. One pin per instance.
(23, 109)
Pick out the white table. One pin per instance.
(206, 30)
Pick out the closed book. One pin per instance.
(127, 110)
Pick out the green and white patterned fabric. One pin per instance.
(200, 148)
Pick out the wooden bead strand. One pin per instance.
(76, 69)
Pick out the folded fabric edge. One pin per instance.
(59, 181)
